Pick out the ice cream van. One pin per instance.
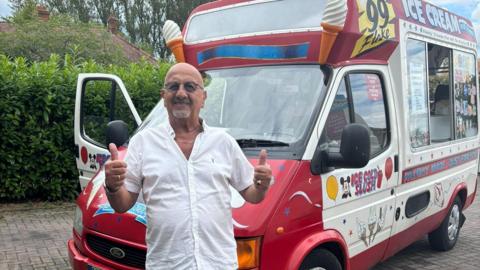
(368, 110)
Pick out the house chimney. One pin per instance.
(112, 24)
(43, 13)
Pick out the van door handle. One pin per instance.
(395, 162)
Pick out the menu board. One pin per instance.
(418, 95)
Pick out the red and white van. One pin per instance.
(368, 110)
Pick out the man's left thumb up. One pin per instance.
(262, 158)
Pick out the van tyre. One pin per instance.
(321, 259)
(445, 237)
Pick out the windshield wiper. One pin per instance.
(252, 143)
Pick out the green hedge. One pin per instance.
(37, 155)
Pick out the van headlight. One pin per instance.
(77, 221)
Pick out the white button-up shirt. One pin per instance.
(189, 220)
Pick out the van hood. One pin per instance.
(100, 217)
(248, 219)
(252, 219)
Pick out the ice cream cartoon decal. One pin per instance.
(367, 231)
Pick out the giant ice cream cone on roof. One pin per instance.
(333, 22)
(174, 40)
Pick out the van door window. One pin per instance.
(369, 108)
(103, 102)
(359, 99)
(338, 118)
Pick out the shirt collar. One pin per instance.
(171, 132)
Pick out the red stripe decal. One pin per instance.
(437, 166)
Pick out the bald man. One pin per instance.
(184, 169)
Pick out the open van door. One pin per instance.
(100, 99)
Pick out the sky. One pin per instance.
(467, 8)
(4, 8)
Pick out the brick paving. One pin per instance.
(34, 236)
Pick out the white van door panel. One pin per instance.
(100, 98)
(360, 203)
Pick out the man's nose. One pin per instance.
(181, 91)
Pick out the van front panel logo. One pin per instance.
(117, 252)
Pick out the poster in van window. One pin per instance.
(374, 87)
(418, 97)
(465, 95)
(417, 103)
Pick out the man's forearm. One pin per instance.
(254, 193)
(121, 200)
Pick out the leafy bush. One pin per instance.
(37, 154)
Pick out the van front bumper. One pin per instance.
(79, 262)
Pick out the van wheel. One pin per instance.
(445, 237)
(321, 259)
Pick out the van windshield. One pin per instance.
(260, 106)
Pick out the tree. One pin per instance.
(106, 8)
(179, 11)
(24, 11)
(141, 21)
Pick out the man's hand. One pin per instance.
(115, 170)
(262, 172)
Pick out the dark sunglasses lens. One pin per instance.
(173, 87)
(190, 87)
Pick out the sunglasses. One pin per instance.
(190, 87)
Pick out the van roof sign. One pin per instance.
(291, 31)
(437, 18)
(231, 21)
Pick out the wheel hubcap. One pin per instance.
(453, 222)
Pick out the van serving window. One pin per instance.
(232, 21)
(448, 110)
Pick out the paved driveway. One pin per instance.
(34, 236)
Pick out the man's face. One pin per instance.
(183, 92)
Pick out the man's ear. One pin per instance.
(162, 94)
(204, 98)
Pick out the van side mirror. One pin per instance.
(117, 133)
(354, 151)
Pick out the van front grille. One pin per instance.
(133, 257)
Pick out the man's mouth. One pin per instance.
(179, 102)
